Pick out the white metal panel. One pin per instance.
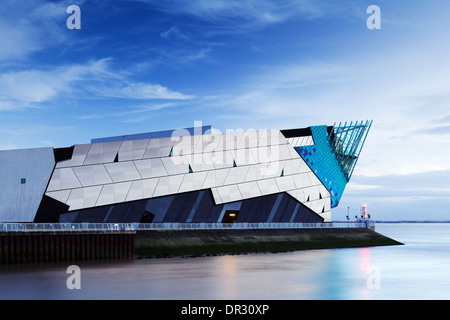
(80, 152)
(255, 172)
(83, 197)
(249, 139)
(193, 181)
(302, 180)
(103, 152)
(208, 143)
(298, 194)
(200, 162)
(122, 171)
(92, 175)
(63, 178)
(216, 196)
(229, 193)
(222, 159)
(142, 189)
(274, 169)
(249, 189)
(185, 145)
(236, 175)
(133, 149)
(168, 185)
(268, 186)
(61, 196)
(176, 165)
(243, 157)
(159, 147)
(113, 193)
(280, 152)
(150, 168)
(285, 183)
(215, 178)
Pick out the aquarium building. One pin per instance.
(185, 176)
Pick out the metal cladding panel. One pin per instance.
(63, 178)
(200, 162)
(92, 175)
(20, 199)
(208, 143)
(249, 190)
(236, 175)
(176, 165)
(243, 157)
(142, 189)
(61, 196)
(113, 193)
(168, 185)
(79, 154)
(215, 178)
(222, 159)
(83, 197)
(185, 145)
(102, 152)
(133, 149)
(268, 186)
(249, 139)
(192, 181)
(255, 172)
(122, 171)
(285, 183)
(150, 168)
(158, 148)
(229, 193)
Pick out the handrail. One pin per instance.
(124, 227)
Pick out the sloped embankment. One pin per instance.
(206, 242)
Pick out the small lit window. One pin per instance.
(23, 181)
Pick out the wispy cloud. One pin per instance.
(92, 80)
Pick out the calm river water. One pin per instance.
(417, 270)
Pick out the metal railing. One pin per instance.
(127, 227)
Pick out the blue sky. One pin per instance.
(142, 65)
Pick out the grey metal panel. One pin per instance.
(215, 178)
(208, 143)
(61, 196)
(274, 169)
(268, 186)
(280, 152)
(176, 165)
(249, 189)
(236, 175)
(185, 145)
(63, 178)
(113, 193)
(222, 159)
(255, 172)
(122, 171)
(83, 197)
(193, 181)
(158, 148)
(249, 139)
(133, 149)
(20, 201)
(102, 152)
(229, 193)
(150, 168)
(92, 175)
(285, 183)
(142, 189)
(168, 185)
(79, 154)
(302, 180)
(200, 162)
(243, 157)
(298, 194)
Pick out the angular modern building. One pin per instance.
(184, 175)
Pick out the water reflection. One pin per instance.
(416, 270)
